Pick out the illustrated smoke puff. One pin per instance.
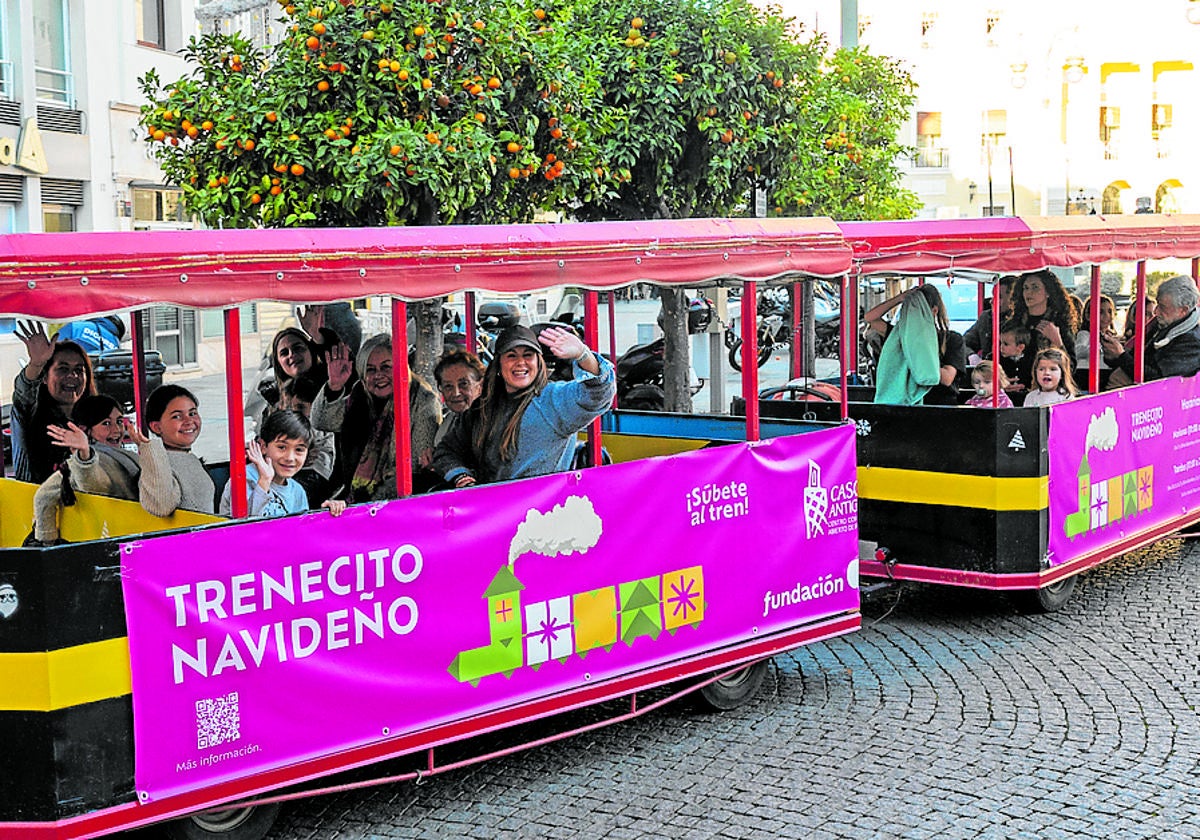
(1102, 430)
(566, 528)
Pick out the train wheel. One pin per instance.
(1048, 599)
(247, 823)
(734, 690)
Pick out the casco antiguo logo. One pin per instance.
(8, 600)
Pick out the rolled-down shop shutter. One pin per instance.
(12, 189)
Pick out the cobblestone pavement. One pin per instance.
(950, 714)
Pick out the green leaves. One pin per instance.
(383, 112)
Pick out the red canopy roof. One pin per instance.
(61, 276)
(1008, 245)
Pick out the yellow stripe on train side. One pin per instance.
(58, 679)
(625, 448)
(953, 489)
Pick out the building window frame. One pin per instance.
(150, 23)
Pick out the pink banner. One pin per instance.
(1122, 463)
(258, 645)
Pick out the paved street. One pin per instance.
(949, 715)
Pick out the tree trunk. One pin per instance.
(677, 360)
(428, 338)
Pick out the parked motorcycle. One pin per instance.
(774, 327)
(640, 368)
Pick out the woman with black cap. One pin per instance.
(525, 425)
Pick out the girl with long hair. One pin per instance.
(524, 424)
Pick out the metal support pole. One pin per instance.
(138, 346)
(471, 326)
(1094, 333)
(591, 335)
(239, 503)
(750, 357)
(1139, 314)
(401, 421)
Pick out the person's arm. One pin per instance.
(873, 317)
(159, 489)
(453, 457)
(954, 363)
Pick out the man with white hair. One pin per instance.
(1173, 349)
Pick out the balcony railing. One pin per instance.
(7, 80)
(931, 158)
(55, 86)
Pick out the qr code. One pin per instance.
(218, 721)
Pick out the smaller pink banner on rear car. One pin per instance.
(260, 644)
(1121, 464)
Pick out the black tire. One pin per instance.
(735, 355)
(236, 823)
(735, 690)
(1048, 599)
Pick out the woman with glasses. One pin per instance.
(459, 377)
(361, 413)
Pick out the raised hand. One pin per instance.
(73, 438)
(132, 431)
(312, 318)
(37, 344)
(563, 343)
(339, 366)
(266, 470)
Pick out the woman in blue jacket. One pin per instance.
(525, 425)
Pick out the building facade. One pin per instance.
(1041, 108)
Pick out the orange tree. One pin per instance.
(703, 102)
(377, 112)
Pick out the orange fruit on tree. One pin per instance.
(296, 169)
(476, 90)
(313, 42)
(369, 35)
(477, 25)
(213, 184)
(426, 84)
(556, 133)
(331, 134)
(480, 118)
(402, 75)
(318, 28)
(207, 125)
(778, 83)
(193, 132)
(540, 14)
(394, 66)
(223, 180)
(159, 134)
(255, 198)
(514, 173)
(636, 23)
(727, 136)
(410, 170)
(419, 31)
(493, 83)
(433, 138)
(248, 145)
(276, 190)
(271, 116)
(322, 86)
(513, 147)
(394, 151)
